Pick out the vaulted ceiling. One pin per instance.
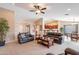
(56, 10)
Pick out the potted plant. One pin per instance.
(62, 29)
(3, 30)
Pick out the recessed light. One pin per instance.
(68, 9)
(66, 14)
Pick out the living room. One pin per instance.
(59, 28)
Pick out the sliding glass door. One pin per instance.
(72, 28)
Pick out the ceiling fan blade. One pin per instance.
(36, 6)
(42, 12)
(43, 9)
(32, 10)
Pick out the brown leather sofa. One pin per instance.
(57, 37)
(69, 51)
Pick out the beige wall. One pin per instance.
(9, 15)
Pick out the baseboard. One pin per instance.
(11, 41)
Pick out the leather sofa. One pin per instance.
(57, 37)
(58, 40)
(71, 51)
(25, 37)
(67, 51)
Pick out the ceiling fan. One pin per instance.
(38, 9)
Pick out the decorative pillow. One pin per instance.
(22, 35)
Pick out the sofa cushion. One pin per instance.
(22, 35)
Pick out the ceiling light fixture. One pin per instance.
(38, 8)
(66, 14)
(68, 9)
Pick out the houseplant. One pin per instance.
(3, 30)
(62, 30)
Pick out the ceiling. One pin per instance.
(56, 10)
